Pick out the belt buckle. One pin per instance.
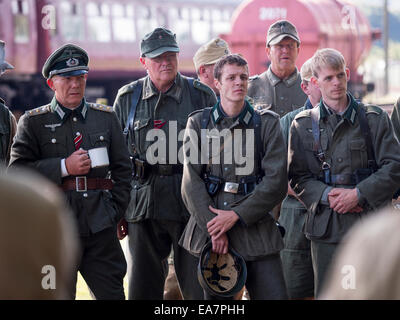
(231, 187)
(165, 169)
(77, 180)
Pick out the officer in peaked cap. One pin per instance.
(69, 60)
(205, 59)
(55, 140)
(156, 215)
(8, 124)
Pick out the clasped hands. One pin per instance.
(218, 226)
(344, 200)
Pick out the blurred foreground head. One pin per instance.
(367, 264)
(38, 242)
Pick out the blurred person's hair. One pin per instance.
(36, 232)
(370, 253)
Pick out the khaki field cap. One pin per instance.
(210, 52)
(68, 60)
(280, 30)
(157, 42)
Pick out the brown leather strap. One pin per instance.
(82, 184)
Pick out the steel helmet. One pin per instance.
(221, 274)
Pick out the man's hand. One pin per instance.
(78, 163)
(344, 200)
(223, 222)
(220, 245)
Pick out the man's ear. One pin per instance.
(304, 87)
(314, 81)
(217, 84)
(202, 71)
(348, 74)
(143, 61)
(50, 83)
(268, 51)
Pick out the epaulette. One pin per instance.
(101, 107)
(263, 112)
(254, 77)
(2, 101)
(40, 110)
(370, 108)
(201, 86)
(127, 88)
(195, 112)
(303, 114)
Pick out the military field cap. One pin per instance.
(157, 42)
(280, 30)
(210, 52)
(4, 65)
(68, 60)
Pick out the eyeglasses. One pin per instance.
(288, 47)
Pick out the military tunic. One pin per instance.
(281, 96)
(255, 235)
(395, 117)
(45, 135)
(296, 255)
(156, 211)
(346, 151)
(8, 127)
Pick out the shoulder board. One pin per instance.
(127, 88)
(303, 114)
(254, 77)
(201, 86)
(101, 107)
(267, 112)
(369, 108)
(40, 110)
(195, 112)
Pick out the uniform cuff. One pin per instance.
(324, 199)
(64, 172)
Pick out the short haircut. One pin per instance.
(330, 58)
(306, 71)
(228, 59)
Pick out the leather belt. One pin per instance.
(82, 184)
(238, 188)
(343, 179)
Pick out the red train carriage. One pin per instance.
(110, 30)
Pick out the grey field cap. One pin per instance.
(280, 30)
(157, 42)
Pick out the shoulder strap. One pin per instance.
(194, 93)
(132, 111)
(366, 132)
(259, 149)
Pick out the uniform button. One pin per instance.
(75, 119)
(101, 138)
(225, 203)
(53, 140)
(78, 133)
(226, 168)
(281, 111)
(85, 195)
(340, 159)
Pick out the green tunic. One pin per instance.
(158, 196)
(281, 96)
(255, 235)
(346, 151)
